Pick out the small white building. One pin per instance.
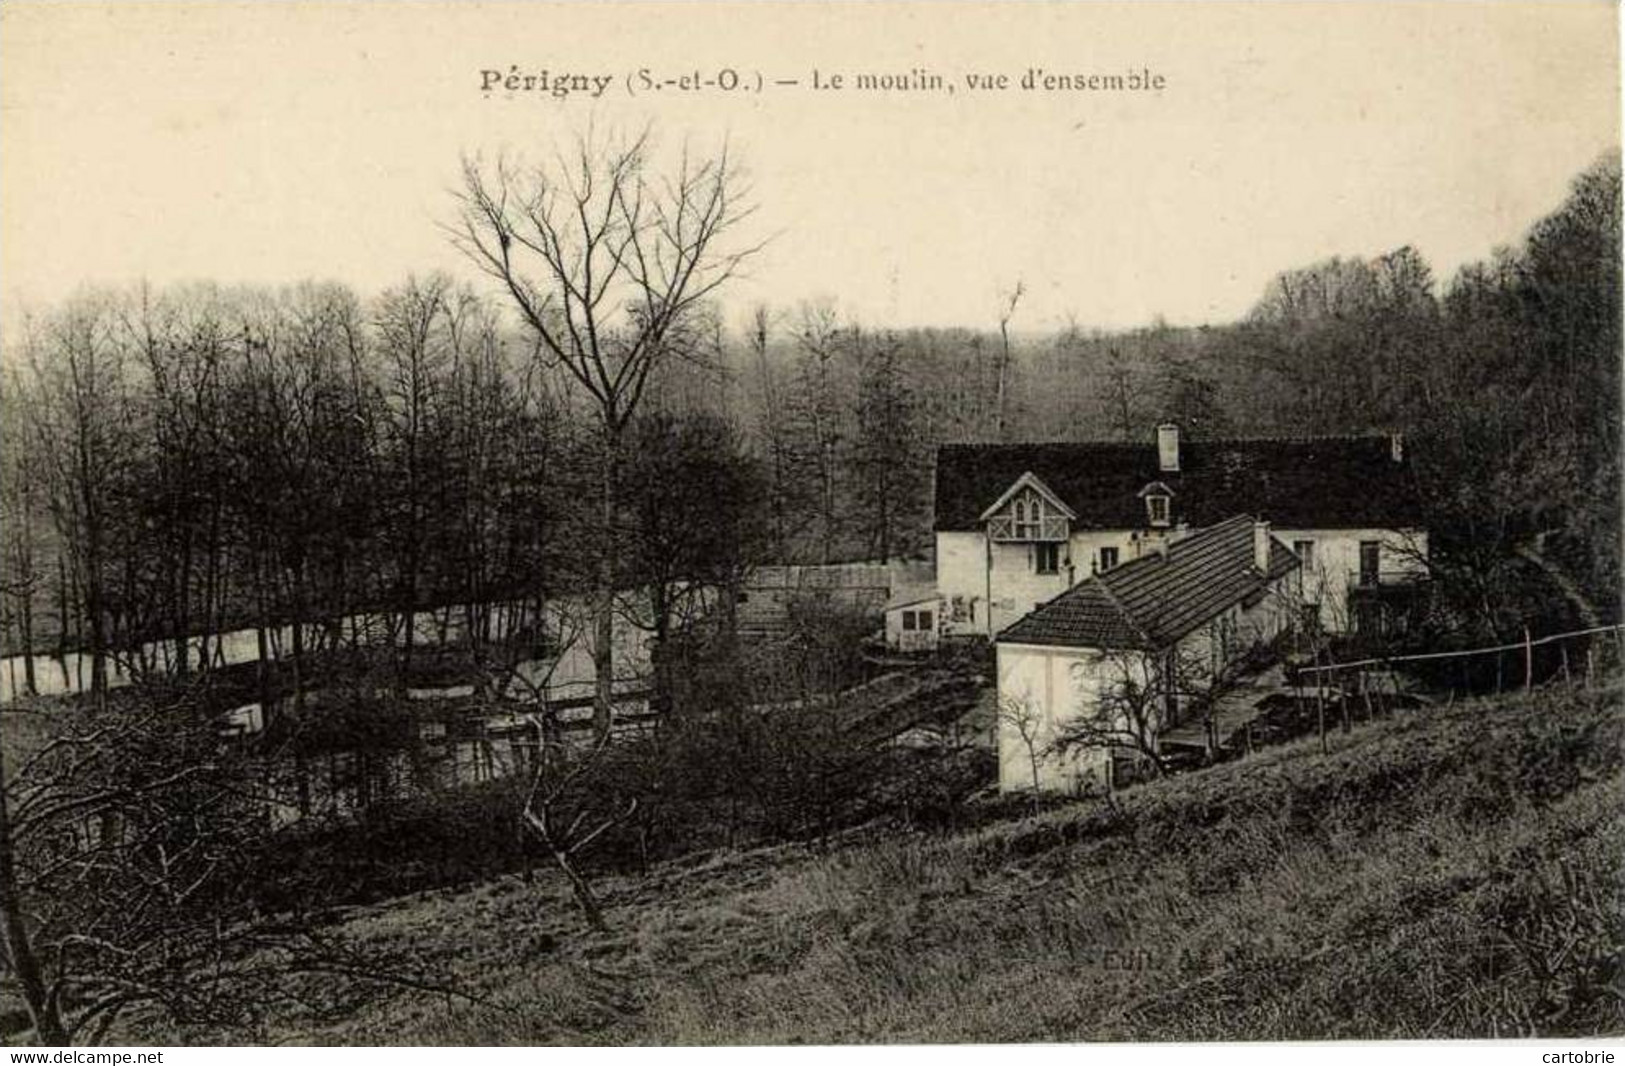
(1098, 652)
(913, 616)
(1017, 524)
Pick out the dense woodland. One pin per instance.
(202, 458)
(594, 424)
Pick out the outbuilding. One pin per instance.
(913, 617)
(1104, 668)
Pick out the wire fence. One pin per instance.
(1533, 659)
(1373, 684)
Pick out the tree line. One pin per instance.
(191, 460)
(323, 470)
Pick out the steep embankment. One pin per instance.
(1451, 873)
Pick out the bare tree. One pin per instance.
(1119, 396)
(1006, 313)
(1134, 702)
(607, 262)
(816, 416)
(43, 1008)
(133, 848)
(1137, 695)
(563, 822)
(772, 430)
(82, 421)
(21, 576)
(411, 324)
(891, 477)
(1025, 717)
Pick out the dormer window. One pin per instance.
(1028, 511)
(1159, 504)
(1029, 518)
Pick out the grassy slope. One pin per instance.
(1452, 873)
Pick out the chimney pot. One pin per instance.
(1168, 447)
(1261, 545)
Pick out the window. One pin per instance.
(1305, 551)
(916, 621)
(1370, 561)
(1108, 559)
(1048, 558)
(1029, 518)
(1158, 508)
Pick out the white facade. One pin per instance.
(970, 578)
(1334, 565)
(1043, 689)
(913, 625)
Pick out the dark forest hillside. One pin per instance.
(184, 460)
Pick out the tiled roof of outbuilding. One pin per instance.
(1156, 600)
(1297, 483)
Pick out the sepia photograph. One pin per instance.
(812, 523)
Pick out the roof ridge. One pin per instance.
(1268, 438)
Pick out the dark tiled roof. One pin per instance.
(1305, 483)
(1155, 600)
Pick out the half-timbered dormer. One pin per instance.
(1029, 512)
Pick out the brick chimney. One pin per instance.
(1261, 546)
(1168, 448)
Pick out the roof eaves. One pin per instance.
(1030, 480)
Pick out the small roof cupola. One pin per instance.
(1168, 448)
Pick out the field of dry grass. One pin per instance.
(1448, 873)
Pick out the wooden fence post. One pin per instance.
(1528, 660)
(1320, 713)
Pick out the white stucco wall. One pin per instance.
(962, 571)
(1337, 562)
(913, 639)
(1053, 686)
(1046, 686)
(962, 582)
(1017, 589)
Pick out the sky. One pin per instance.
(270, 143)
